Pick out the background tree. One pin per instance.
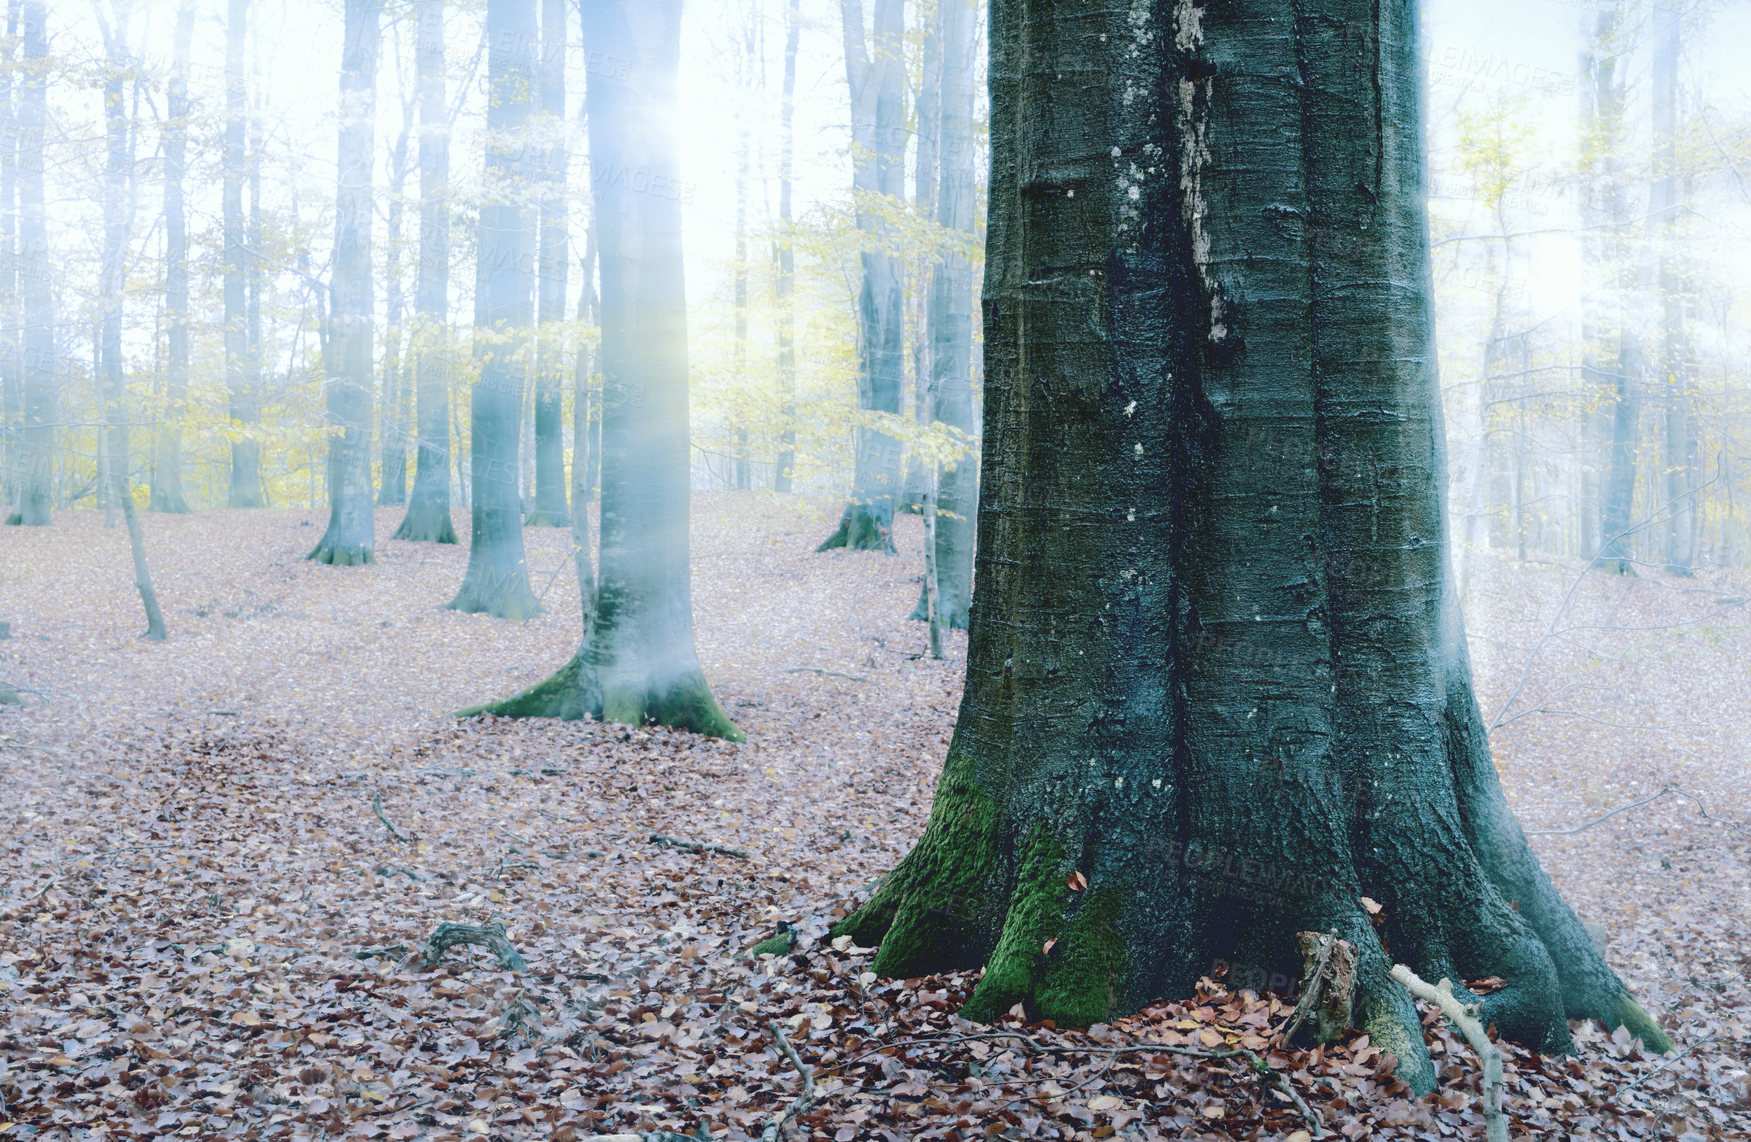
(949, 325)
(637, 662)
(11, 372)
(41, 369)
(874, 71)
(392, 468)
(428, 506)
(241, 373)
(1229, 503)
(784, 286)
(554, 256)
(497, 581)
(167, 493)
(350, 538)
(1665, 209)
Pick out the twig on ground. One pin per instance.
(1638, 1082)
(696, 846)
(826, 673)
(513, 836)
(385, 870)
(377, 808)
(1464, 1017)
(1665, 789)
(490, 936)
(397, 952)
(803, 1100)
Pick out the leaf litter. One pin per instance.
(225, 855)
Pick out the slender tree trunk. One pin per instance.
(167, 494)
(42, 396)
(1622, 376)
(745, 66)
(1217, 666)
(428, 507)
(955, 490)
(351, 535)
(878, 111)
(926, 173)
(11, 375)
(246, 486)
(1680, 442)
(637, 662)
(392, 468)
(555, 257)
(582, 371)
(784, 472)
(497, 581)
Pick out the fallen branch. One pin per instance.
(826, 673)
(397, 952)
(773, 1128)
(490, 936)
(1464, 1017)
(1700, 808)
(377, 808)
(696, 846)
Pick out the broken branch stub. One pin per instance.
(1328, 986)
(490, 936)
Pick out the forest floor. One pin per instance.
(203, 917)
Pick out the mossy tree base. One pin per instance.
(432, 526)
(539, 518)
(516, 602)
(573, 692)
(862, 528)
(351, 555)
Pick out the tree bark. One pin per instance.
(11, 374)
(392, 468)
(784, 471)
(950, 325)
(246, 487)
(875, 74)
(926, 167)
(428, 506)
(42, 390)
(351, 535)
(745, 66)
(637, 662)
(582, 372)
(497, 581)
(555, 257)
(167, 493)
(1216, 665)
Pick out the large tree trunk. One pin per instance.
(1680, 442)
(554, 257)
(351, 535)
(950, 325)
(784, 472)
(1216, 665)
(240, 373)
(876, 76)
(497, 581)
(41, 374)
(637, 662)
(428, 506)
(167, 493)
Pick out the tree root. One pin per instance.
(1464, 1017)
(377, 808)
(695, 846)
(490, 936)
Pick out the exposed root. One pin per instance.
(377, 808)
(490, 936)
(695, 846)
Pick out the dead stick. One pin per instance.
(377, 808)
(770, 1134)
(1464, 1017)
(696, 846)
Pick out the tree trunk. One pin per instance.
(582, 371)
(784, 471)
(1621, 373)
(950, 326)
(167, 494)
(497, 581)
(637, 662)
(42, 396)
(1217, 665)
(878, 142)
(351, 536)
(11, 376)
(246, 487)
(428, 507)
(745, 66)
(555, 257)
(1680, 442)
(926, 165)
(392, 468)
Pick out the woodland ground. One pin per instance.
(191, 866)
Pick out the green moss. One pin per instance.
(688, 704)
(928, 914)
(1629, 1015)
(561, 695)
(1080, 985)
(1390, 1018)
